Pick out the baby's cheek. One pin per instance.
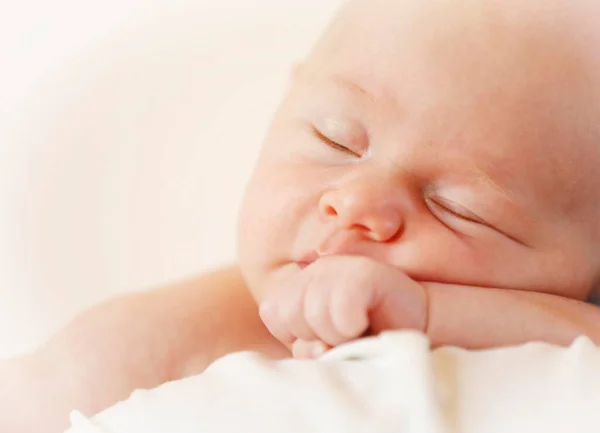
(257, 231)
(442, 256)
(484, 261)
(269, 219)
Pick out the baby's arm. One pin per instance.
(139, 341)
(475, 317)
(338, 299)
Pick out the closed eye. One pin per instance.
(457, 210)
(442, 208)
(332, 143)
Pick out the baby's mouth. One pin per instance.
(337, 243)
(308, 259)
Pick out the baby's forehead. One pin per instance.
(477, 46)
(488, 22)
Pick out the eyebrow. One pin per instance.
(485, 178)
(516, 201)
(488, 180)
(350, 86)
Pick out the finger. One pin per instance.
(350, 310)
(269, 315)
(302, 349)
(282, 311)
(292, 314)
(318, 315)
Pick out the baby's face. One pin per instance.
(456, 140)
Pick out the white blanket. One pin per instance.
(393, 383)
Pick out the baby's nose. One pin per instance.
(372, 206)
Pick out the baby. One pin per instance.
(427, 150)
(433, 167)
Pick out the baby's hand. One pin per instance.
(338, 299)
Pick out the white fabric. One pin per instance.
(389, 384)
(127, 131)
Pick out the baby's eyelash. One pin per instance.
(333, 144)
(457, 210)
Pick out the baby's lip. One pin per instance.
(308, 258)
(337, 243)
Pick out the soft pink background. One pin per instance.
(127, 130)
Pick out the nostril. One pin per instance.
(329, 210)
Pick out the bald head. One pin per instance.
(520, 27)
